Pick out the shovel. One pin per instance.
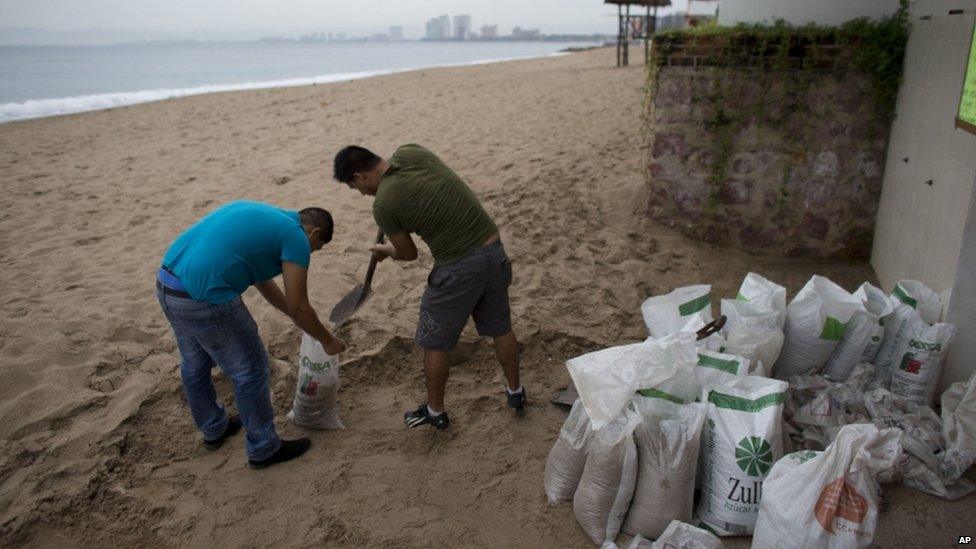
(568, 395)
(355, 299)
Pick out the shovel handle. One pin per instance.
(372, 264)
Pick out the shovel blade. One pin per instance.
(349, 304)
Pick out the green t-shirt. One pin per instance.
(420, 194)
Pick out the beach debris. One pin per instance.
(315, 405)
(564, 467)
(742, 439)
(827, 499)
(607, 484)
(667, 314)
(815, 321)
(667, 451)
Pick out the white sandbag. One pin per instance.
(607, 484)
(680, 535)
(741, 440)
(666, 314)
(564, 465)
(863, 334)
(667, 451)
(918, 363)
(910, 299)
(764, 295)
(959, 428)
(607, 379)
(718, 369)
(815, 322)
(829, 499)
(315, 405)
(752, 333)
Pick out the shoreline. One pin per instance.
(34, 109)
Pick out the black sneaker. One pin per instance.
(516, 400)
(290, 449)
(420, 417)
(233, 426)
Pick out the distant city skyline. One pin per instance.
(106, 21)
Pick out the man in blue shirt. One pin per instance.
(199, 287)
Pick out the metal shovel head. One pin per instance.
(349, 304)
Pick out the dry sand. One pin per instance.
(97, 443)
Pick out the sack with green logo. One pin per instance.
(666, 314)
(564, 465)
(752, 333)
(863, 334)
(815, 323)
(667, 455)
(742, 438)
(827, 499)
(911, 299)
(315, 404)
(915, 374)
(764, 295)
(607, 484)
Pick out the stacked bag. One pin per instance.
(659, 419)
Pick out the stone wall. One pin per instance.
(784, 160)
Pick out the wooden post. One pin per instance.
(620, 27)
(627, 38)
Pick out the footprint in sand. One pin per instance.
(89, 241)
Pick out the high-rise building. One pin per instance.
(396, 34)
(462, 27)
(489, 31)
(439, 28)
(519, 33)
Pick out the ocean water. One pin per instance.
(38, 81)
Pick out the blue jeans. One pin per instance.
(226, 335)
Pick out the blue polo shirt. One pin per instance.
(234, 247)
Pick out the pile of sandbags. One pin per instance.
(659, 419)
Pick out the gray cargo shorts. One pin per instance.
(475, 286)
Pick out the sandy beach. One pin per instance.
(98, 447)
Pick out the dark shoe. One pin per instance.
(290, 449)
(420, 417)
(233, 425)
(516, 400)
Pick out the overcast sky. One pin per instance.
(305, 15)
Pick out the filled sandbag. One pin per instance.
(918, 363)
(827, 499)
(815, 322)
(607, 483)
(752, 333)
(681, 535)
(667, 452)
(607, 379)
(863, 334)
(666, 314)
(315, 405)
(764, 295)
(910, 300)
(718, 369)
(742, 438)
(567, 457)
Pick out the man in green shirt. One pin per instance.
(417, 193)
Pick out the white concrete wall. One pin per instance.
(962, 308)
(921, 228)
(800, 12)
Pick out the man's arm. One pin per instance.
(300, 310)
(400, 248)
(273, 294)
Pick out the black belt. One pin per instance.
(170, 291)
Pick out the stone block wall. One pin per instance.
(772, 157)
